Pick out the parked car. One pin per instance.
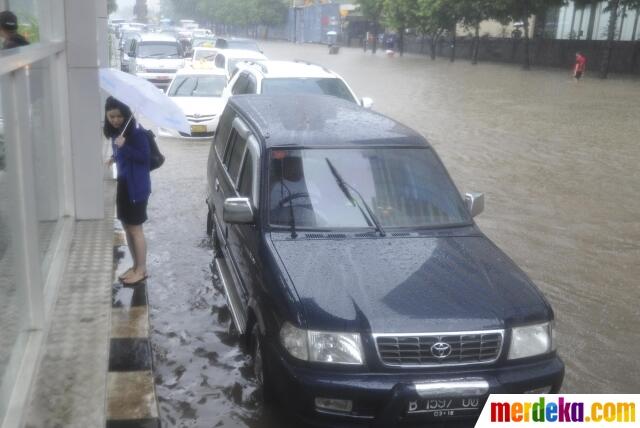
(156, 57)
(356, 274)
(290, 77)
(237, 43)
(197, 93)
(228, 59)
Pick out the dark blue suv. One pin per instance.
(353, 267)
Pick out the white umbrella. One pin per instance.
(143, 97)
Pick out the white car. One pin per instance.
(197, 93)
(290, 77)
(228, 59)
(156, 57)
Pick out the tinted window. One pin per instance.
(245, 185)
(224, 127)
(197, 86)
(252, 86)
(219, 61)
(403, 187)
(235, 157)
(240, 85)
(158, 50)
(328, 86)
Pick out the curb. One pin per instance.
(131, 395)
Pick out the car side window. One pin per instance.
(219, 61)
(223, 131)
(236, 155)
(241, 85)
(245, 184)
(252, 85)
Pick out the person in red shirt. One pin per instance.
(580, 66)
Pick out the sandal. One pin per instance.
(136, 281)
(126, 274)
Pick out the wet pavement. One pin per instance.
(558, 162)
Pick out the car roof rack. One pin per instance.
(304, 61)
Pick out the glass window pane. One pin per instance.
(45, 155)
(28, 23)
(13, 303)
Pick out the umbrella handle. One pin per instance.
(127, 124)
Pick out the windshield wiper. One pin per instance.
(292, 221)
(344, 186)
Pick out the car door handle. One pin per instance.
(217, 185)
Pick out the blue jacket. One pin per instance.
(132, 160)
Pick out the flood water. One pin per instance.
(558, 162)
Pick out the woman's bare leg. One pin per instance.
(138, 251)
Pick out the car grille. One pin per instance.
(199, 119)
(416, 350)
(161, 70)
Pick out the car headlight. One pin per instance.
(141, 68)
(321, 346)
(532, 340)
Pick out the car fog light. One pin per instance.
(334, 405)
(543, 390)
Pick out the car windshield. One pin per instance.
(299, 85)
(404, 187)
(205, 55)
(158, 50)
(197, 86)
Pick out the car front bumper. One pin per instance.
(383, 399)
(161, 80)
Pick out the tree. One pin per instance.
(472, 13)
(434, 18)
(614, 7)
(140, 10)
(522, 10)
(269, 13)
(112, 6)
(372, 10)
(400, 14)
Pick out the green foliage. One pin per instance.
(372, 9)
(112, 6)
(434, 17)
(140, 10)
(400, 14)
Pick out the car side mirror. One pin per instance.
(366, 102)
(237, 210)
(475, 203)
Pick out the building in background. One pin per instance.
(50, 175)
(591, 22)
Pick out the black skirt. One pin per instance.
(128, 212)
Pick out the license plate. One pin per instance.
(198, 128)
(164, 77)
(444, 407)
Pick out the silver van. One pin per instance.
(156, 57)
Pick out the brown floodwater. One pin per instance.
(557, 161)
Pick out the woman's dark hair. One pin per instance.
(113, 104)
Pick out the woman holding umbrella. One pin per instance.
(131, 154)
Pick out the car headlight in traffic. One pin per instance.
(141, 68)
(532, 340)
(321, 346)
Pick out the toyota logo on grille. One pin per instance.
(440, 350)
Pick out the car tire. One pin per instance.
(260, 367)
(209, 222)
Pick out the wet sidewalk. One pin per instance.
(96, 366)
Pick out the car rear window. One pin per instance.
(197, 86)
(299, 85)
